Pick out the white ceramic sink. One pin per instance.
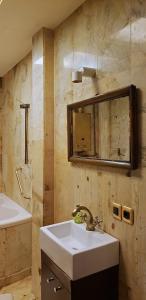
(78, 252)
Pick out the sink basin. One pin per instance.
(78, 252)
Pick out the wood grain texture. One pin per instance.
(21, 290)
(94, 36)
(17, 89)
(42, 143)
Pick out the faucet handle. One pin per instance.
(98, 221)
(75, 210)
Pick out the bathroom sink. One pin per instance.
(79, 252)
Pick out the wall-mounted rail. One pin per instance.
(19, 183)
(26, 107)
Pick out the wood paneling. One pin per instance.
(105, 35)
(42, 143)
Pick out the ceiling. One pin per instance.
(21, 19)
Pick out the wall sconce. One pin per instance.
(84, 71)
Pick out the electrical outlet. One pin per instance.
(117, 211)
(128, 215)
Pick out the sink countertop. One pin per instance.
(78, 252)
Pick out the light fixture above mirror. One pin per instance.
(77, 75)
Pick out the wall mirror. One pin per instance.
(103, 129)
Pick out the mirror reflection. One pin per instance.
(113, 129)
(103, 129)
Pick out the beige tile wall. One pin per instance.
(110, 36)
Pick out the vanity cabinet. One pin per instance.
(56, 285)
(52, 287)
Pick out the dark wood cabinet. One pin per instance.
(52, 287)
(56, 285)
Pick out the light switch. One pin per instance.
(128, 215)
(117, 211)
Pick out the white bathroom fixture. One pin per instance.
(79, 252)
(84, 71)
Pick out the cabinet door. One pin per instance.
(51, 288)
(59, 292)
(47, 279)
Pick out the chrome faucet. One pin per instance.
(91, 223)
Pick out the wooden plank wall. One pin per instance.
(105, 35)
(42, 144)
(1, 100)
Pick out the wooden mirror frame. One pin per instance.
(129, 91)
